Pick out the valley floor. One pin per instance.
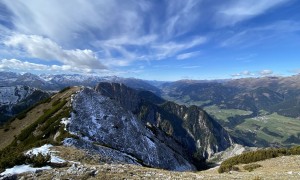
(286, 167)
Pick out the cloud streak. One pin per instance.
(187, 55)
(114, 35)
(239, 10)
(14, 64)
(246, 73)
(45, 49)
(245, 38)
(266, 72)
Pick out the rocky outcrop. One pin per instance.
(205, 133)
(107, 128)
(191, 126)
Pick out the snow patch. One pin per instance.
(22, 169)
(44, 150)
(65, 121)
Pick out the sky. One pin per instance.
(151, 39)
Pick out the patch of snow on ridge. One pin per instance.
(23, 168)
(65, 121)
(44, 150)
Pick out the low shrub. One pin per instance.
(46, 127)
(6, 129)
(254, 156)
(38, 160)
(22, 115)
(65, 89)
(11, 159)
(251, 167)
(56, 102)
(28, 131)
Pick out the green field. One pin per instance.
(263, 130)
(186, 100)
(224, 114)
(272, 128)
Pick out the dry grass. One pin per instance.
(75, 155)
(16, 126)
(286, 167)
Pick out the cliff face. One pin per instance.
(15, 99)
(206, 135)
(192, 127)
(108, 129)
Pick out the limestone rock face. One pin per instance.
(107, 128)
(192, 127)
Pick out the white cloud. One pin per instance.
(240, 10)
(187, 55)
(66, 21)
(120, 31)
(45, 49)
(181, 17)
(266, 72)
(155, 50)
(275, 30)
(245, 73)
(171, 48)
(237, 75)
(14, 64)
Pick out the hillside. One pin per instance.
(12, 129)
(116, 125)
(272, 94)
(257, 111)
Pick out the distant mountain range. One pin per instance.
(29, 88)
(15, 99)
(273, 94)
(238, 105)
(241, 105)
(57, 82)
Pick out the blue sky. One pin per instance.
(152, 39)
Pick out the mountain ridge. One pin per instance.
(172, 118)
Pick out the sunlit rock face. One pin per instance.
(107, 128)
(191, 126)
